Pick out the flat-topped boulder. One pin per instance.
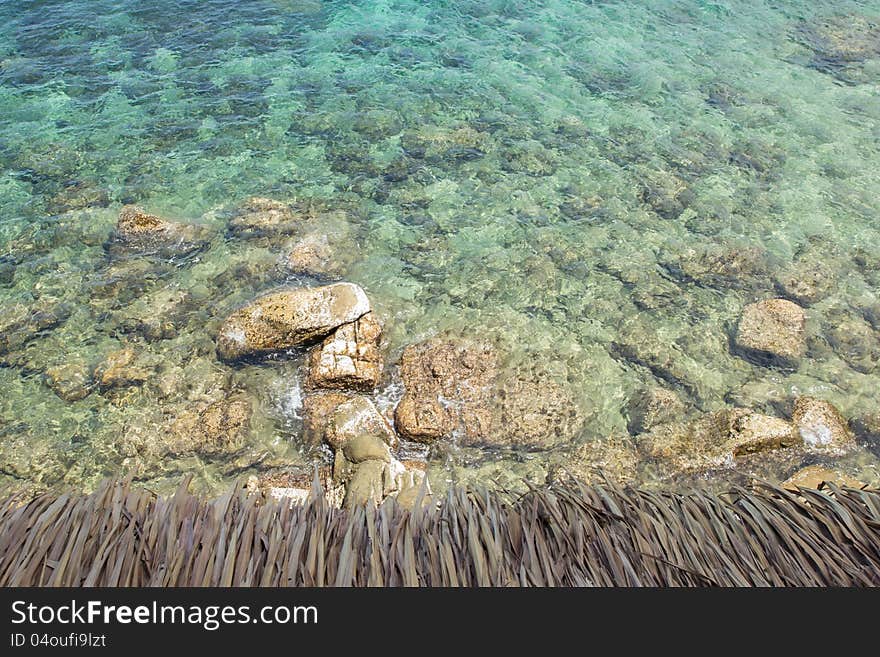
(138, 232)
(772, 332)
(290, 317)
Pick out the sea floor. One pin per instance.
(597, 189)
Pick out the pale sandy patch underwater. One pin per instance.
(600, 188)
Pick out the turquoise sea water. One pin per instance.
(589, 184)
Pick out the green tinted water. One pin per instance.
(565, 178)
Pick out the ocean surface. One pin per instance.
(598, 188)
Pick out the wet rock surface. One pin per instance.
(821, 426)
(289, 318)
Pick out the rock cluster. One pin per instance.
(721, 437)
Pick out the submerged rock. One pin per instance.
(853, 339)
(71, 380)
(814, 476)
(120, 369)
(349, 358)
(290, 318)
(453, 388)
(259, 216)
(23, 322)
(156, 316)
(652, 407)
(810, 278)
(613, 459)
(312, 255)
(715, 439)
(821, 426)
(218, 428)
(721, 266)
(139, 232)
(772, 331)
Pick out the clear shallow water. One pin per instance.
(563, 177)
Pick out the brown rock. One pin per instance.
(289, 318)
(119, 369)
(349, 358)
(821, 426)
(138, 231)
(715, 439)
(311, 255)
(614, 459)
(263, 216)
(20, 323)
(814, 476)
(218, 428)
(453, 388)
(71, 381)
(772, 331)
(422, 419)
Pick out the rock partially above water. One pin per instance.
(422, 419)
(772, 332)
(349, 358)
(821, 426)
(356, 417)
(290, 318)
(138, 232)
(317, 410)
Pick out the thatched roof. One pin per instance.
(568, 534)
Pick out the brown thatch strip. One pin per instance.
(568, 534)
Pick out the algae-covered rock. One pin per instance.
(772, 331)
(290, 318)
(613, 459)
(349, 358)
(366, 447)
(366, 485)
(821, 426)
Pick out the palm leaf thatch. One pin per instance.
(569, 534)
